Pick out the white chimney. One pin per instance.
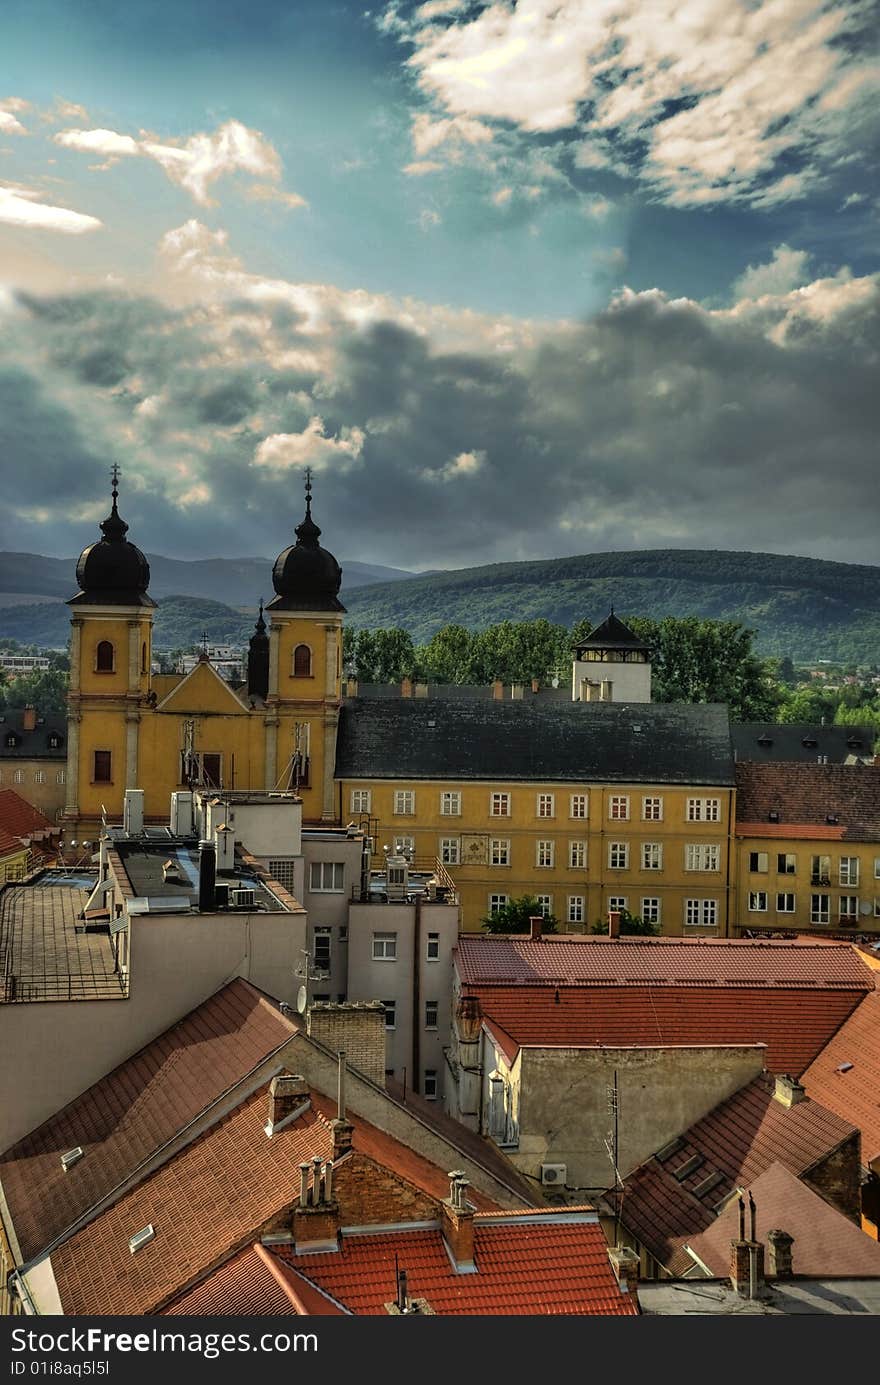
(182, 813)
(224, 838)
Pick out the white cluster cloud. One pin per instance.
(196, 163)
(787, 270)
(312, 447)
(21, 206)
(705, 101)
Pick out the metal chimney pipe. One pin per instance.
(328, 1180)
(401, 1290)
(454, 1175)
(207, 877)
(742, 1219)
(751, 1217)
(340, 1086)
(303, 1185)
(316, 1180)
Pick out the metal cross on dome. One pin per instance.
(114, 477)
(308, 489)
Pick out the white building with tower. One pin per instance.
(611, 665)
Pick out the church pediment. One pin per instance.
(203, 690)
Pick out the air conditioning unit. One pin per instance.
(243, 898)
(554, 1175)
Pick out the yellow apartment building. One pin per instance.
(807, 848)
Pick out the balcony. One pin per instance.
(820, 879)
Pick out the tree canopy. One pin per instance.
(515, 916)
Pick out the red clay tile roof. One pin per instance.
(9, 844)
(738, 1140)
(19, 817)
(808, 831)
(599, 961)
(854, 1093)
(256, 1283)
(795, 1024)
(826, 1243)
(808, 793)
(523, 1268)
(134, 1110)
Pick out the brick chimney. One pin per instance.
(779, 1261)
(351, 687)
(535, 685)
(498, 690)
(315, 1221)
(288, 1098)
(613, 923)
(29, 719)
(406, 687)
(457, 1224)
(536, 927)
(625, 1263)
(788, 1090)
(747, 1257)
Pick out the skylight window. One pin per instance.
(72, 1157)
(844, 1067)
(141, 1238)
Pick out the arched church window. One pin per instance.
(104, 657)
(302, 661)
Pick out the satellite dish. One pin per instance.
(865, 907)
(302, 1000)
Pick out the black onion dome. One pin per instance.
(113, 571)
(306, 577)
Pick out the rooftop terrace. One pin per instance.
(46, 954)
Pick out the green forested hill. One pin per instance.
(803, 607)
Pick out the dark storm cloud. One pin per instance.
(655, 423)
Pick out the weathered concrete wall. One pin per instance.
(563, 1102)
(838, 1178)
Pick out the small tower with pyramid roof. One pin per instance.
(611, 665)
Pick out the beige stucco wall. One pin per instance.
(50, 1052)
(563, 1102)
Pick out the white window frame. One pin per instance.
(762, 862)
(450, 851)
(404, 845)
(499, 851)
(545, 904)
(431, 1086)
(318, 871)
(498, 901)
(578, 806)
(785, 896)
(848, 906)
(703, 810)
(577, 854)
(618, 904)
(618, 807)
(618, 855)
(702, 856)
(432, 1005)
(701, 913)
(818, 875)
(652, 855)
(877, 867)
(326, 935)
(545, 854)
(404, 803)
(790, 863)
(652, 809)
(432, 947)
(575, 909)
(848, 870)
(390, 1014)
(499, 804)
(360, 800)
(450, 803)
(758, 901)
(651, 909)
(820, 907)
(384, 947)
(545, 805)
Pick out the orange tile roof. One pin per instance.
(794, 1023)
(122, 1119)
(19, 817)
(543, 1264)
(854, 1093)
(10, 845)
(826, 1243)
(807, 831)
(255, 1283)
(737, 1140)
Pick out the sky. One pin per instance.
(515, 280)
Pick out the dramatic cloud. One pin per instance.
(787, 270)
(311, 447)
(21, 207)
(196, 163)
(690, 98)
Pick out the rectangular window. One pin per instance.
(652, 809)
(877, 906)
(322, 946)
(758, 902)
(575, 908)
(450, 803)
(102, 767)
(618, 807)
(786, 903)
(819, 908)
(404, 802)
(40, 776)
(390, 1014)
(546, 807)
(545, 853)
(499, 851)
(877, 867)
(699, 856)
(652, 855)
(650, 911)
(577, 855)
(432, 948)
(701, 913)
(849, 906)
(498, 901)
(327, 877)
(577, 805)
(60, 777)
(849, 870)
(361, 800)
(430, 1088)
(820, 870)
(545, 904)
(499, 805)
(618, 855)
(786, 864)
(618, 903)
(431, 1009)
(759, 862)
(384, 947)
(404, 846)
(704, 810)
(450, 850)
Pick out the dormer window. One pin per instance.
(54, 741)
(12, 740)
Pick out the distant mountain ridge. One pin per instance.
(806, 608)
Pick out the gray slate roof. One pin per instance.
(574, 742)
(32, 745)
(763, 741)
